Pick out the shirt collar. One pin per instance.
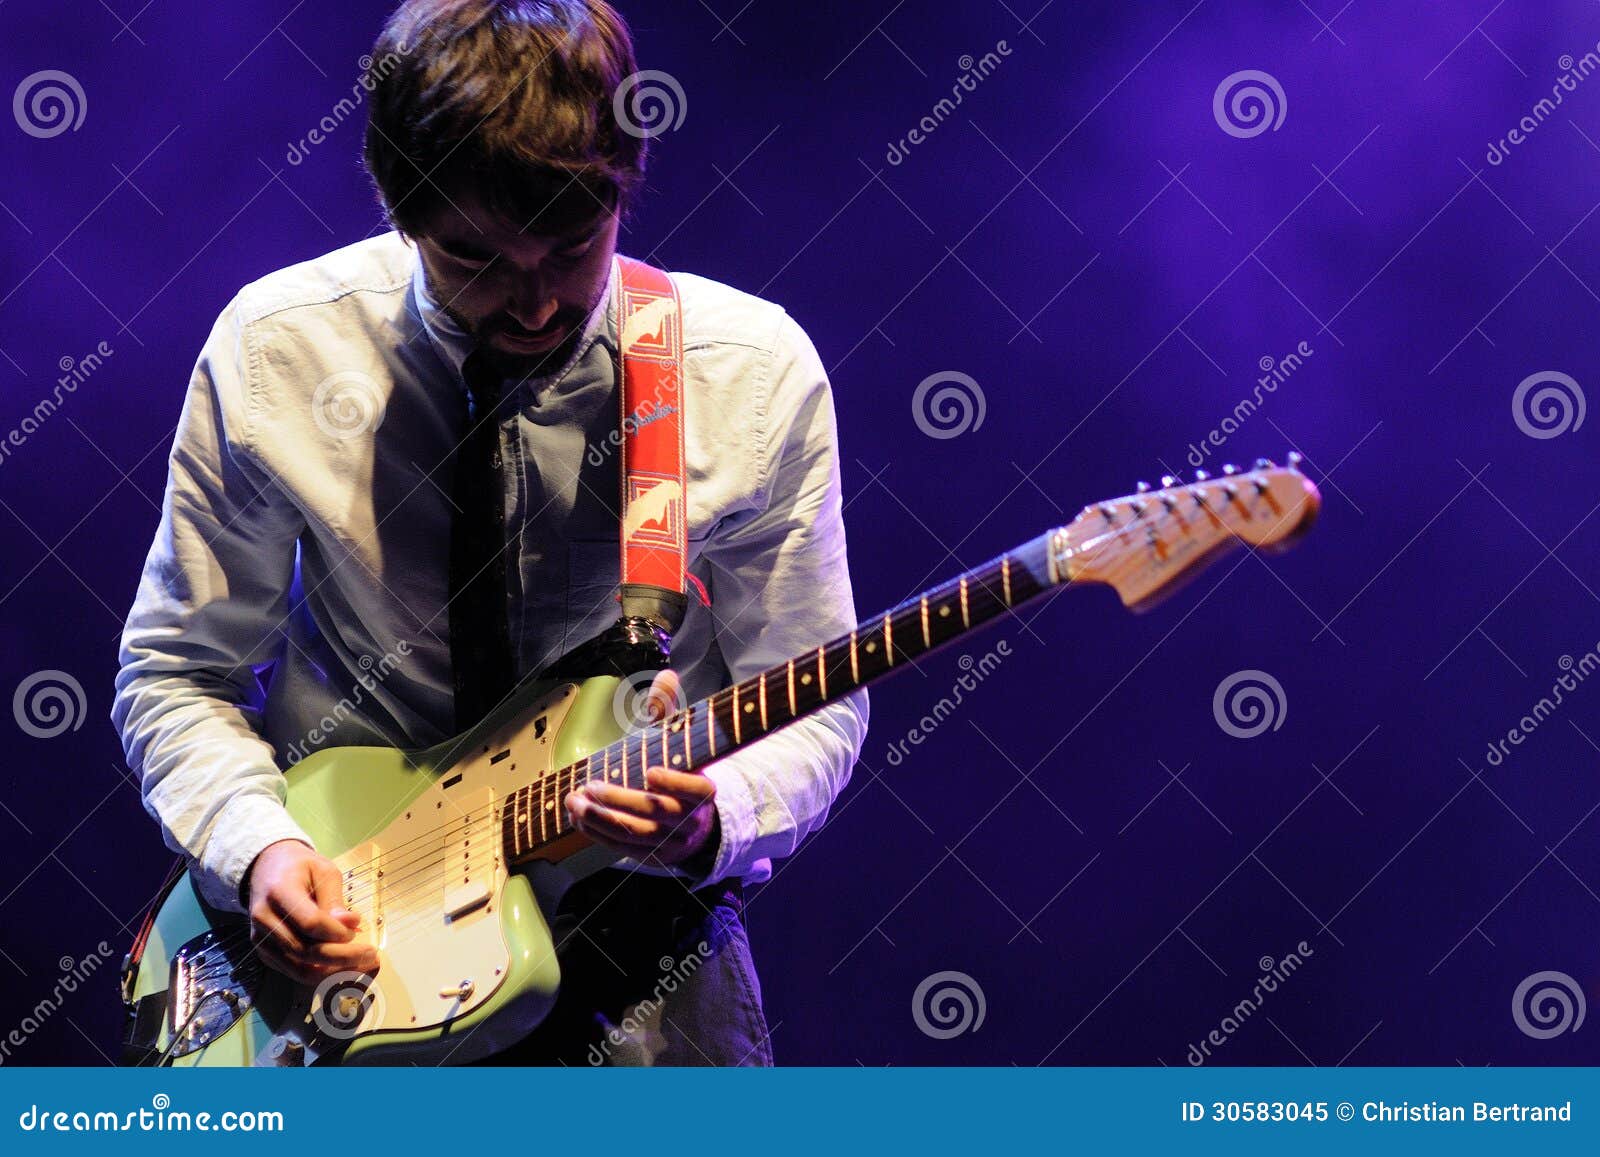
(453, 343)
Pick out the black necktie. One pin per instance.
(480, 640)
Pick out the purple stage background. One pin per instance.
(1108, 255)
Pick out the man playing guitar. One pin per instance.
(321, 515)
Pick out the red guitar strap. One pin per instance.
(654, 505)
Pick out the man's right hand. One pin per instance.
(298, 921)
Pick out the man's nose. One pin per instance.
(532, 306)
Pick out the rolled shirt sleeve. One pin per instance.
(781, 586)
(209, 610)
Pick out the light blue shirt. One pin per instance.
(305, 531)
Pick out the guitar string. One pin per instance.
(419, 863)
(231, 936)
(414, 868)
(591, 768)
(661, 731)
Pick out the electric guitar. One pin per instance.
(456, 856)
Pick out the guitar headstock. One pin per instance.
(1145, 544)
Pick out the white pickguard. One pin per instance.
(432, 904)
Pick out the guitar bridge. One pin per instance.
(208, 987)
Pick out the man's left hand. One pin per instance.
(672, 820)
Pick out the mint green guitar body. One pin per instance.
(489, 938)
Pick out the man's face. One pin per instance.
(525, 295)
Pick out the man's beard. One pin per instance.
(522, 366)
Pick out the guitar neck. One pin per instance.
(1142, 545)
(729, 719)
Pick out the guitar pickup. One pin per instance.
(458, 902)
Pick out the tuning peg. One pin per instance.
(1142, 487)
(1201, 476)
(1265, 464)
(1295, 458)
(1168, 481)
(1230, 469)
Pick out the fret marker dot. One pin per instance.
(806, 679)
(677, 761)
(944, 611)
(871, 647)
(749, 707)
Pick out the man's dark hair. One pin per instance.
(510, 100)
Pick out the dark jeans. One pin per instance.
(651, 974)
